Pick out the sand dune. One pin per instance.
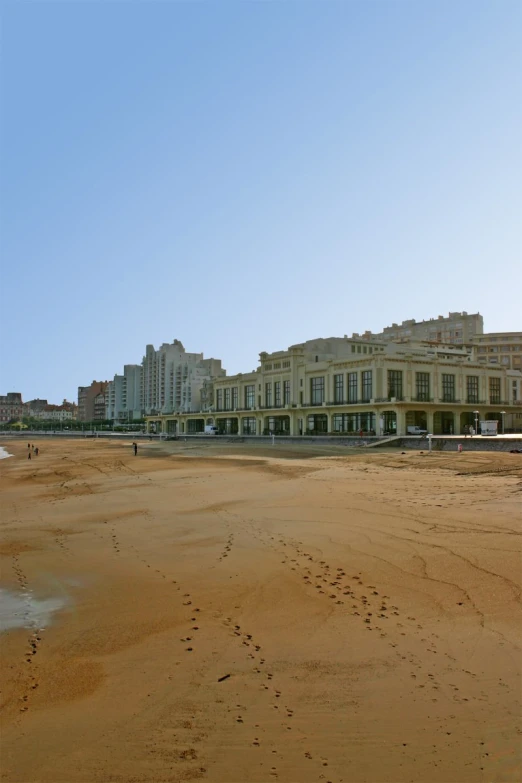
(240, 614)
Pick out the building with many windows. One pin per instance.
(453, 329)
(352, 385)
(124, 395)
(11, 407)
(89, 401)
(503, 349)
(172, 379)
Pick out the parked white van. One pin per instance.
(416, 431)
(211, 429)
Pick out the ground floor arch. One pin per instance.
(351, 423)
(389, 422)
(417, 419)
(443, 423)
(249, 425)
(228, 426)
(317, 424)
(195, 426)
(277, 425)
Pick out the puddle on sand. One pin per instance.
(23, 610)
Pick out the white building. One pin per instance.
(172, 379)
(124, 401)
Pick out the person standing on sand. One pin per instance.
(29, 454)
(36, 451)
(135, 448)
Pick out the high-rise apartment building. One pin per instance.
(172, 379)
(124, 395)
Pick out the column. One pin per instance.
(401, 421)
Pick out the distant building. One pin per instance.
(172, 379)
(11, 407)
(54, 413)
(503, 349)
(453, 329)
(350, 386)
(88, 404)
(40, 409)
(124, 395)
(100, 406)
(34, 406)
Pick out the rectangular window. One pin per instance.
(286, 363)
(268, 395)
(219, 400)
(250, 396)
(277, 394)
(448, 388)
(395, 384)
(494, 391)
(352, 387)
(227, 399)
(286, 392)
(472, 386)
(422, 386)
(317, 391)
(339, 388)
(235, 404)
(366, 385)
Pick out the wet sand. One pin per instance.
(239, 614)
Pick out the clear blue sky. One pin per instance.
(247, 175)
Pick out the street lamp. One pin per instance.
(503, 413)
(477, 414)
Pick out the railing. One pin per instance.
(450, 400)
(475, 402)
(349, 402)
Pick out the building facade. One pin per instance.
(503, 349)
(89, 401)
(172, 379)
(124, 395)
(354, 386)
(453, 329)
(11, 407)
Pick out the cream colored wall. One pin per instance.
(302, 371)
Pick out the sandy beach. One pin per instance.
(238, 614)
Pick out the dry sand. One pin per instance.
(366, 607)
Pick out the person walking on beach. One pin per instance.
(29, 454)
(135, 448)
(36, 451)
